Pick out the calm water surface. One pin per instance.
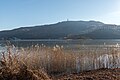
(68, 44)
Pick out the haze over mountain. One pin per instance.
(65, 30)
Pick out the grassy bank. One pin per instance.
(35, 62)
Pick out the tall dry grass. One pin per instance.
(14, 68)
(57, 60)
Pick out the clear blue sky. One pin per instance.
(17, 13)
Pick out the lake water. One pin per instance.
(68, 44)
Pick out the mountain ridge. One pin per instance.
(64, 30)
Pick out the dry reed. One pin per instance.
(57, 60)
(13, 68)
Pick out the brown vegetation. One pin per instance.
(36, 62)
(57, 60)
(12, 68)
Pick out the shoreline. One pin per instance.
(99, 74)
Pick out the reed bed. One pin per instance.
(13, 68)
(57, 60)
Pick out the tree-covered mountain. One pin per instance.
(65, 30)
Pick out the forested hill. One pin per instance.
(65, 30)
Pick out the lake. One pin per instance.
(67, 44)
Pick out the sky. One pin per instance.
(20, 13)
